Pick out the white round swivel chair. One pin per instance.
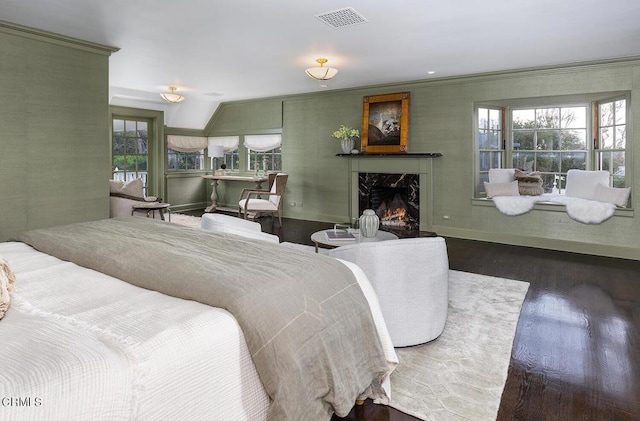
(411, 278)
(220, 223)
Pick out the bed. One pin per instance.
(115, 320)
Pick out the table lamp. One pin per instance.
(215, 152)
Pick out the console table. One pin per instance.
(258, 180)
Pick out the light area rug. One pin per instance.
(461, 374)
(186, 220)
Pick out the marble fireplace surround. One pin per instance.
(419, 164)
(385, 192)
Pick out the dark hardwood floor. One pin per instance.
(576, 353)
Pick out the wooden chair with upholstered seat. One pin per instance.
(252, 201)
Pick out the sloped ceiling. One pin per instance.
(225, 50)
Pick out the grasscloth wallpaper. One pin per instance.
(441, 120)
(54, 148)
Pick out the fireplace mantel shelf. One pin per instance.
(392, 155)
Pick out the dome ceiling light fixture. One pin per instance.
(321, 72)
(172, 97)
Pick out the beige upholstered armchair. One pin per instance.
(124, 195)
(264, 201)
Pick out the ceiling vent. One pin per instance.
(342, 17)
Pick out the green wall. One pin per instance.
(54, 149)
(441, 120)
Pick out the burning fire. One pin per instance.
(395, 217)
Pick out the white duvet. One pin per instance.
(86, 346)
(79, 345)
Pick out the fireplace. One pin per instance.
(394, 198)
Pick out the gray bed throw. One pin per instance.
(306, 322)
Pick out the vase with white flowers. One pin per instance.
(347, 136)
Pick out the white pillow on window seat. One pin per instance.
(619, 196)
(502, 189)
(501, 175)
(582, 183)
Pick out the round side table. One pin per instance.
(320, 237)
(152, 207)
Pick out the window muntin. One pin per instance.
(490, 142)
(550, 140)
(267, 161)
(231, 157)
(177, 160)
(264, 152)
(612, 139)
(130, 150)
(232, 160)
(185, 152)
(555, 138)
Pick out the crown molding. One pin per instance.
(53, 38)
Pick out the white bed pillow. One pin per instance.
(502, 189)
(619, 196)
(582, 184)
(501, 175)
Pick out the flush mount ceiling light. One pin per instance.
(172, 97)
(321, 72)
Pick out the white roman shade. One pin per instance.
(263, 142)
(186, 144)
(229, 143)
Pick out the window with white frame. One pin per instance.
(130, 149)
(264, 153)
(490, 141)
(552, 139)
(231, 158)
(612, 139)
(185, 152)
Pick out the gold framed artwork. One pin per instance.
(385, 123)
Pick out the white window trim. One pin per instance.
(509, 105)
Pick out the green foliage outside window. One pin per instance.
(185, 161)
(552, 140)
(130, 150)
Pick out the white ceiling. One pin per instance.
(222, 50)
